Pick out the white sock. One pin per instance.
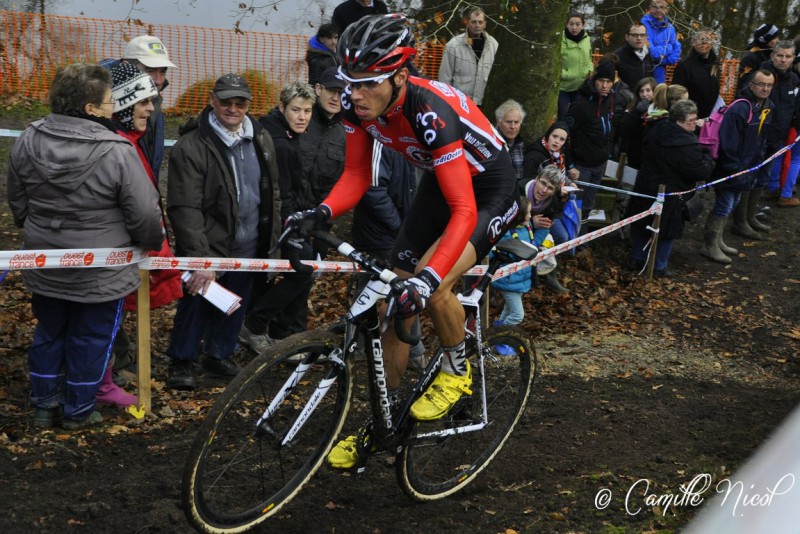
(455, 359)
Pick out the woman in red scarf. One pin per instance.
(133, 93)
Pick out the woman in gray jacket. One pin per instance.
(75, 184)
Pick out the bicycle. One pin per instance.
(276, 422)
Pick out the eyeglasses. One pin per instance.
(240, 103)
(111, 103)
(638, 35)
(763, 85)
(147, 101)
(365, 83)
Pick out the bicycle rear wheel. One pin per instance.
(238, 474)
(433, 466)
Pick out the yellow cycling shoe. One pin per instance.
(344, 454)
(442, 394)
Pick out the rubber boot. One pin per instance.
(711, 232)
(740, 225)
(551, 281)
(728, 251)
(110, 393)
(752, 206)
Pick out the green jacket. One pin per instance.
(576, 62)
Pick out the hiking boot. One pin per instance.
(258, 343)
(94, 419)
(181, 376)
(220, 367)
(790, 202)
(442, 394)
(45, 417)
(344, 454)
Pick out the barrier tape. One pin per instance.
(776, 155)
(112, 257)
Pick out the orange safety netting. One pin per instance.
(33, 46)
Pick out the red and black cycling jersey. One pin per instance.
(437, 128)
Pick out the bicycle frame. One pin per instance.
(389, 427)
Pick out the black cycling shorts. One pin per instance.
(495, 192)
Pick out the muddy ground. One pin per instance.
(660, 380)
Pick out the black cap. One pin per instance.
(330, 79)
(232, 86)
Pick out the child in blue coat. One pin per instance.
(540, 193)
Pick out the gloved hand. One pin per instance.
(304, 221)
(413, 293)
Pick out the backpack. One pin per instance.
(709, 133)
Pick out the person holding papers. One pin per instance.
(223, 201)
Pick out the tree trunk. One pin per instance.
(527, 67)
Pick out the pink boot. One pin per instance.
(110, 393)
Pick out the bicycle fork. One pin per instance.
(322, 389)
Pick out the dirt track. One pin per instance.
(659, 381)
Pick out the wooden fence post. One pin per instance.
(143, 342)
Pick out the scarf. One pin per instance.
(576, 38)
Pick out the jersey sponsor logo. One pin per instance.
(464, 103)
(349, 129)
(478, 145)
(443, 88)
(376, 134)
(420, 157)
(450, 156)
(407, 255)
(498, 224)
(430, 120)
(345, 98)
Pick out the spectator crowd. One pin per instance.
(88, 174)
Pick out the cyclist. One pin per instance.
(464, 203)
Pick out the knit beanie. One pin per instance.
(129, 86)
(763, 35)
(605, 69)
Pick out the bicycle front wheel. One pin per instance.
(442, 457)
(240, 472)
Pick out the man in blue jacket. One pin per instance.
(662, 39)
(742, 138)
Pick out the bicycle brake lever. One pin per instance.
(288, 230)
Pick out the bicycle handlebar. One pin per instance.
(289, 236)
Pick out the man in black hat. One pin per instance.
(223, 180)
(590, 119)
